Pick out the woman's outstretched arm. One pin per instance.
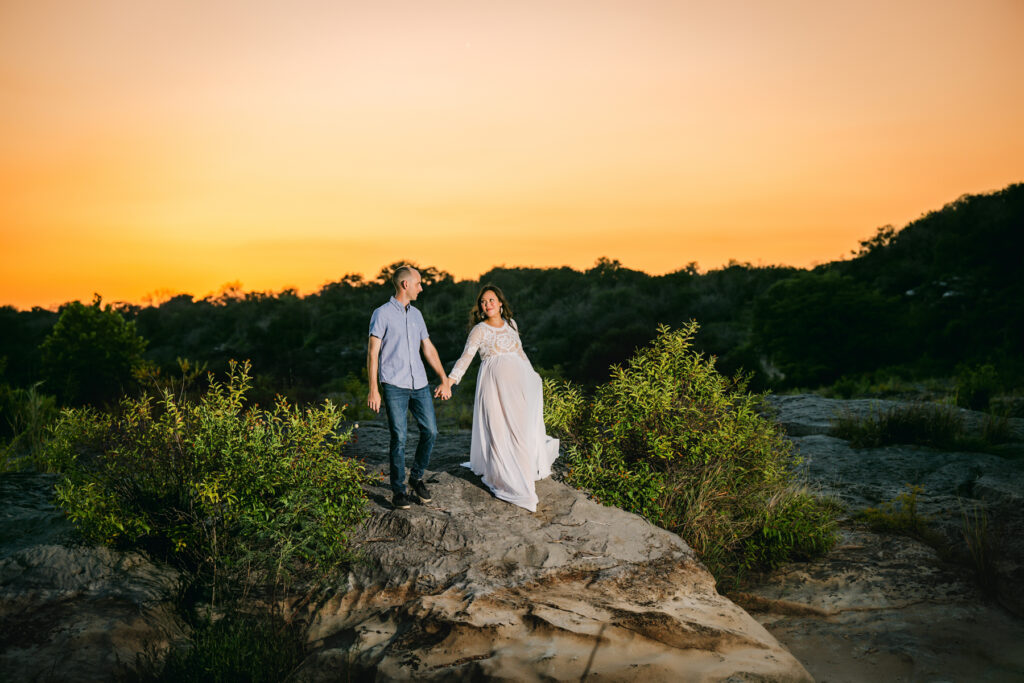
(462, 364)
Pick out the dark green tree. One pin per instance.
(89, 355)
(815, 327)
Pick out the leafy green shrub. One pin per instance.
(670, 438)
(228, 493)
(976, 385)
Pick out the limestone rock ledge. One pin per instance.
(469, 587)
(82, 613)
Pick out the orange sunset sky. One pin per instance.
(176, 146)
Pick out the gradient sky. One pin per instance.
(155, 147)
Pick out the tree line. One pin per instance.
(941, 295)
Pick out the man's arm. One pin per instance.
(372, 362)
(430, 353)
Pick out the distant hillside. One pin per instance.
(974, 245)
(943, 294)
(945, 291)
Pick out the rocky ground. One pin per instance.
(884, 607)
(469, 587)
(68, 611)
(465, 588)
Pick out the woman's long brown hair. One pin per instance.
(476, 314)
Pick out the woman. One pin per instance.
(509, 450)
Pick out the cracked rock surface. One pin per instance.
(470, 587)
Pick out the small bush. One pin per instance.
(975, 386)
(670, 438)
(900, 516)
(234, 495)
(995, 429)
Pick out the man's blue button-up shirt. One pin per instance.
(400, 330)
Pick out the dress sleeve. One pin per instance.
(462, 364)
(519, 343)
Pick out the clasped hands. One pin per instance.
(444, 389)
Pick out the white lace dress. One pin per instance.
(510, 450)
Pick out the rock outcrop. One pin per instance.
(887, 607)
(468, 587)
(953, 483)
(465, 588)
(71, 612)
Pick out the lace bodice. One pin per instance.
(490, 342)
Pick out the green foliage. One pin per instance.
(226, 492)
(976, 385)
(900, 516)
(670, 438)
(979, 544)
(24, 416)
(90, 355)
(926, 424)
(183, 383)
(815, 327)
(237, 648)
(791, 531)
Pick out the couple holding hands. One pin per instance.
(509, 450)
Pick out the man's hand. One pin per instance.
(373, 400)
(444, 390)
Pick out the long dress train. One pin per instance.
(509, 449)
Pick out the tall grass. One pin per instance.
(975, 546)
(236, 647)
(25, 415)
(925, 424)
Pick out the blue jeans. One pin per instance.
(397, 401)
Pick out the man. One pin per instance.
(397, 336)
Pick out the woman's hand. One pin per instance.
(444, 389)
